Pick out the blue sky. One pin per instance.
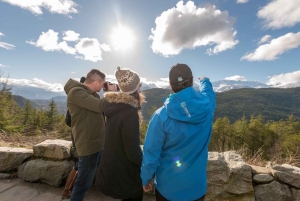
(46, 42)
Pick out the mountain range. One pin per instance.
(234, 99)
(272, 103)
(35, 93)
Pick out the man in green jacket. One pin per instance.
(88, 127)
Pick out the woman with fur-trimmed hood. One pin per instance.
(118, 174)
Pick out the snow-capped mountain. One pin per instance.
(226, 85)
(148, 86)
(30, 92)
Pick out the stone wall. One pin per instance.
(48, 162)
(229, 177)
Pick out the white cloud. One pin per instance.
(276, 47)
(283, 79)
(87, 48)
(1, 34)
(236, 78)
(111, 78)
(64, 7)
(3, 66)
(70, 36)
(90, 49)
(162, 82)
(188, 26)
(280, 13)
(264, 39)
(67, 49)
(7, 46)
(165, 79)
(105, 47)
(35, 82)
(48, 41)
(242, 1)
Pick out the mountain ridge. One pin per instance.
(30, 92)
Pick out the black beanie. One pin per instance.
(180, 73)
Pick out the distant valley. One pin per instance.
(234, 99)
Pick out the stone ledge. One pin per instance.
(288, 174)
(55, 149)
(263, 178)
(273, 191)
(49, 172)
(228, 176)
(12, 158)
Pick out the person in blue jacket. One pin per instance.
(177, 139)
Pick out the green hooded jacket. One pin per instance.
(88, 127)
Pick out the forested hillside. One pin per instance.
(257, 137)
(271, 103)
(20, 116)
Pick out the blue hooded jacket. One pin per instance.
(176, 144)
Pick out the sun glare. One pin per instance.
(122, 38)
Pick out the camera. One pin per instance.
(105, 86)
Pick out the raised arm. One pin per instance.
(80, 97)
(207, 90)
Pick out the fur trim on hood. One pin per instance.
(119, 97)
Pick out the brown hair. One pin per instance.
(94, 75)
(176, 87)
(141, 99)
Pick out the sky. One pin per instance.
(46, 42)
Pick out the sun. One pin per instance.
(122, 38)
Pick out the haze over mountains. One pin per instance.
(248, 98)
(30, 92)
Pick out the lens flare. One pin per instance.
(178, 164)
(177, 161)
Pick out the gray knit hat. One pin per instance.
(128, 80)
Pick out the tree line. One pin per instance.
(254, 138)
(28, 120)
(274, 140)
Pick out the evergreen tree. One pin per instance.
(222, 135)
(9, 110)
(52, 116)
(241, 131)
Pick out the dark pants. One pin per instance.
(137, 197)
(159, 197)
(87, 166)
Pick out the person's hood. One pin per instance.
(118, 101)
(73, 83)
(188, 106)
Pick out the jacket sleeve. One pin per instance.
(80, 97)
(131, 138)
(68, 119)
(154, 142)
(207, 90)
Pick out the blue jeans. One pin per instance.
(87, 166)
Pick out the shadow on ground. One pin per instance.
(18, 190)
